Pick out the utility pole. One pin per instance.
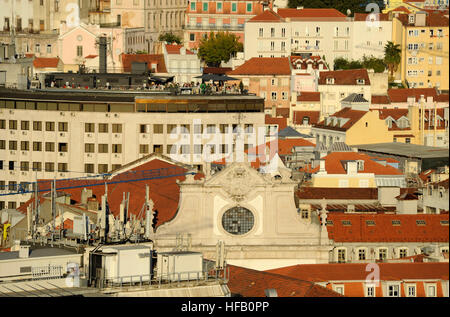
(53, 198)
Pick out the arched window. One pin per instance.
(238, 220)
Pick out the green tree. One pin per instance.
(219, 47)
(340, 5)
(392, 56)
(377, 64)
(340, 63)
(169, 38)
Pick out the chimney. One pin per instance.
(85, 195)
(92, 204)
(24, 251)
(102, 54)
(322, 167)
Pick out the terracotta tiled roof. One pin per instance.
(334, 164)
(385, 231)
(433, 19)
(315, 61)
(310, 13)
(29, 55)
(216, 70)
(380, 99)
(267, 16)
(345, 77)
(313, 116)
(251, 283)
(285, 146)
(46, 62)
(442, 98)
(308, 96)
(345, 113)
(164, 191)
(175, 49)
(357, 271)
(337, 193)
(402, 94)
(282, 112)
(393, 113)
(157, 59)
(264, 66)
(282, 122)
(363, 16)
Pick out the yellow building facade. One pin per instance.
(424, 42)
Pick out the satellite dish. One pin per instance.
(349, 11)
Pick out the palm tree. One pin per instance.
(392, 56)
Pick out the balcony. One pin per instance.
(224, 27)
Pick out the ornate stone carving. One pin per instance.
(238, 184)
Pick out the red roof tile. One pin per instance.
(385, 231)
(363, 16)
(313, 116)
(285, 146)
(282, 122)
(46, 62)
(163, 191)
(393, 113)
(310, 13)
(308, 96)
(345, 113)
(267, 16)
(252, 283)
(433, 19)
(175, 49)
(315, 61)
(264, 66)
(334, 164)
(345, 77)
(357, 271)
(283, 112)
(157, 59)
(381, 99)
(442, 98)
(402, 94)
(216, 70)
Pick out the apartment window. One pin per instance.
(11, 165)
(283, 46)
(49, 126)
(115, 167)
(41, 25)
(431, 291)
(24, 166)
(13, 145)
(37, 166)
(25, 125)
(37, 126)
(318, 30)
(272, 32)
(219, 6)
(438, 60)
(103, 128)
(248, 128)
(205, 6)
(361, 254)
(6, 25)
(2, 124)
(37, 146)
(211, 128)
(13, 124)
(49, 48)
(341, 256)
(37, 48)
(89, 147)
(2, 145)
(171, 148)
(224, 128)
(158, 148)
(102, 168)
(172, 128)
(393, 291)
(184, 129)
(411, 290)
(403, 253)
(49, 166)
(89, 127)
(382, 254)
(62, 167)
(261, 32)
(89, 168)
(62, 147)
(234, 7)
(272, 46)
(79, 51)
(117, 148)
(192, 37)
(63, 126)
(117, 128)
(49, 147)
(143, 149)
(158, 128)
(193, 6)
(12, 205)
(103, 148)
(274, 95)
(370, 291)
(284, 95)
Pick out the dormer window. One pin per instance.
(330, 81)
(360, 164)
(305, 120)
(360, 81)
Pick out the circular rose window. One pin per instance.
(238, 220)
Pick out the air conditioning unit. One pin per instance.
(61, 113)
(107, 115)
(89, 135)
(12, 132)
(24, 132)
(144, 136)
(24, 153)
(11, 112)
(61, 154)
(116, 115)
(62, 134)
(12, 152)
(116, 155)
(116, 135)
(62, 174)
(89, 155)
(72, 114)
(24, 173)
(12, 173)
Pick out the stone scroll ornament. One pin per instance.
(238, 184)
